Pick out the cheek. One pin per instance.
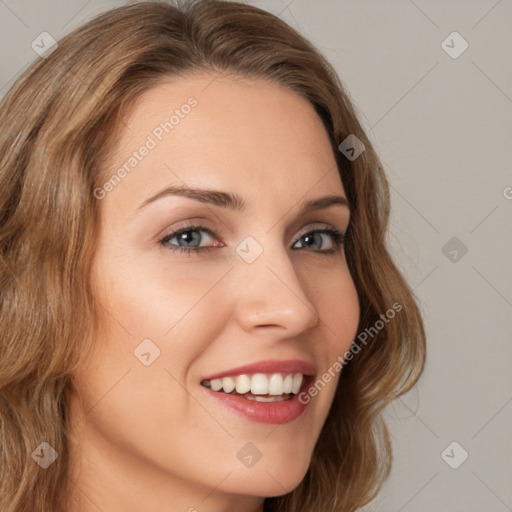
(338, 306)
(155, 299)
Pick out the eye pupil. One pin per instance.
(189, 237)
(309, 239)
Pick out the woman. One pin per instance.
(198, 309)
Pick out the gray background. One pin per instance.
(442, 127)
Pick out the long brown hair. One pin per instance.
(59, 122)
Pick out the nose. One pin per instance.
(271, 296)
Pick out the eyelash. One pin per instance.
(337, 236)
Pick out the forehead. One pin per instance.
(229, 132)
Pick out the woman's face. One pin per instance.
(193, 285)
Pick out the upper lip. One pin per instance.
(268, 366)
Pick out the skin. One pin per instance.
(148, 437)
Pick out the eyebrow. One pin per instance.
(235, 202)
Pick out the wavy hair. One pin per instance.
(59, 121)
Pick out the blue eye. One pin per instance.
(317, 235)
(190, 237)
(188, 240)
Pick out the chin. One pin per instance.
(273, 479)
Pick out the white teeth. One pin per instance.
(216, 384)
(243, 384)
(287, 384)
(297, 383)
(267, 398)
(259, 384)
(228, 384)
(274, 384)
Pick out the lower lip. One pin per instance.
(262, 412)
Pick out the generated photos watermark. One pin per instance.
(156, 136)
(343, 359)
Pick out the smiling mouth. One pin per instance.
(259, 387)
